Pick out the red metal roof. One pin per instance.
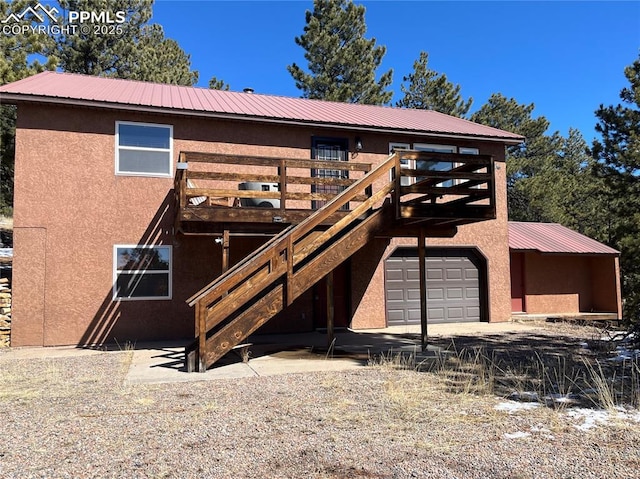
(116, 93)
(553, 238)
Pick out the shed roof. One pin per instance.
(116, 93)
(553, 238)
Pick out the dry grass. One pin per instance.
(75, 417)
(563, 375)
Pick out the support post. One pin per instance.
(423, 288)
(201, 317)
(330, 310)
(282, 171)
(225, 251)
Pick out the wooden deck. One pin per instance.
(410, 193)
(210, 200)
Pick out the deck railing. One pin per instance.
(289, 183)
(410, 187)
(299, 254)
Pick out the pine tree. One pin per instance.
(618, 156)
(342, 63)
(563, 189)
(135, 50)
(526, 160)
(18, 60)
(161, 60)
(216, 84)
(429, 90)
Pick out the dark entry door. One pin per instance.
(328, 149)
(517, 282)
(341, 300)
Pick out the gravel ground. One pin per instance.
(76, 417)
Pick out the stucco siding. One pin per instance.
(71, 209)
(489, 238)
(565, 284)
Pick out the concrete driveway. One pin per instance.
(296, 353)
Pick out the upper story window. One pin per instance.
(436, 165)
(404, 163)
(144, 149)
(464, 150)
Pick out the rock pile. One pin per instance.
(5, 313)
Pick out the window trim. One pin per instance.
(114, 289)
(434, 148)
(168, 174)
(468, 150)
(411, 164)
(440, 148)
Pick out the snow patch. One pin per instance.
(517, 435)
(591, 418)
(624, 354)
(513, 406)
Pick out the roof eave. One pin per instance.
(15, 98)
(565, 253)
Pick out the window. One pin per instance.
(436, 165)
(404, 163)
(464, 150)
(144, 149)
(141, 272)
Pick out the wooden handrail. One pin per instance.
(279, 171)
(281, 242)
(273, 161)
(286, 265)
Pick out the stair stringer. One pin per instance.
(275, 299)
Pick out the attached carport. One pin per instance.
(557, 272)
(455, 286)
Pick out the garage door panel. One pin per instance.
(435, 294)
(453, 287)
(413, 294)
(470, 273)
(395, 275)
(453, 274)
(455, 293)
(412, 275)
(434, 274)
(395, 295)
(473, 293)
(473, 312)
(395, 315)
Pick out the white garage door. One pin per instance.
(453, 287)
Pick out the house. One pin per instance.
(149, 212)
(559, 273)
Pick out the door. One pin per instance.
(454, 286)
(328, 149)
(341, 298)
(517, 282)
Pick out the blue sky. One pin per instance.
(565, 57)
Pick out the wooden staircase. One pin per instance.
(267, 281)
